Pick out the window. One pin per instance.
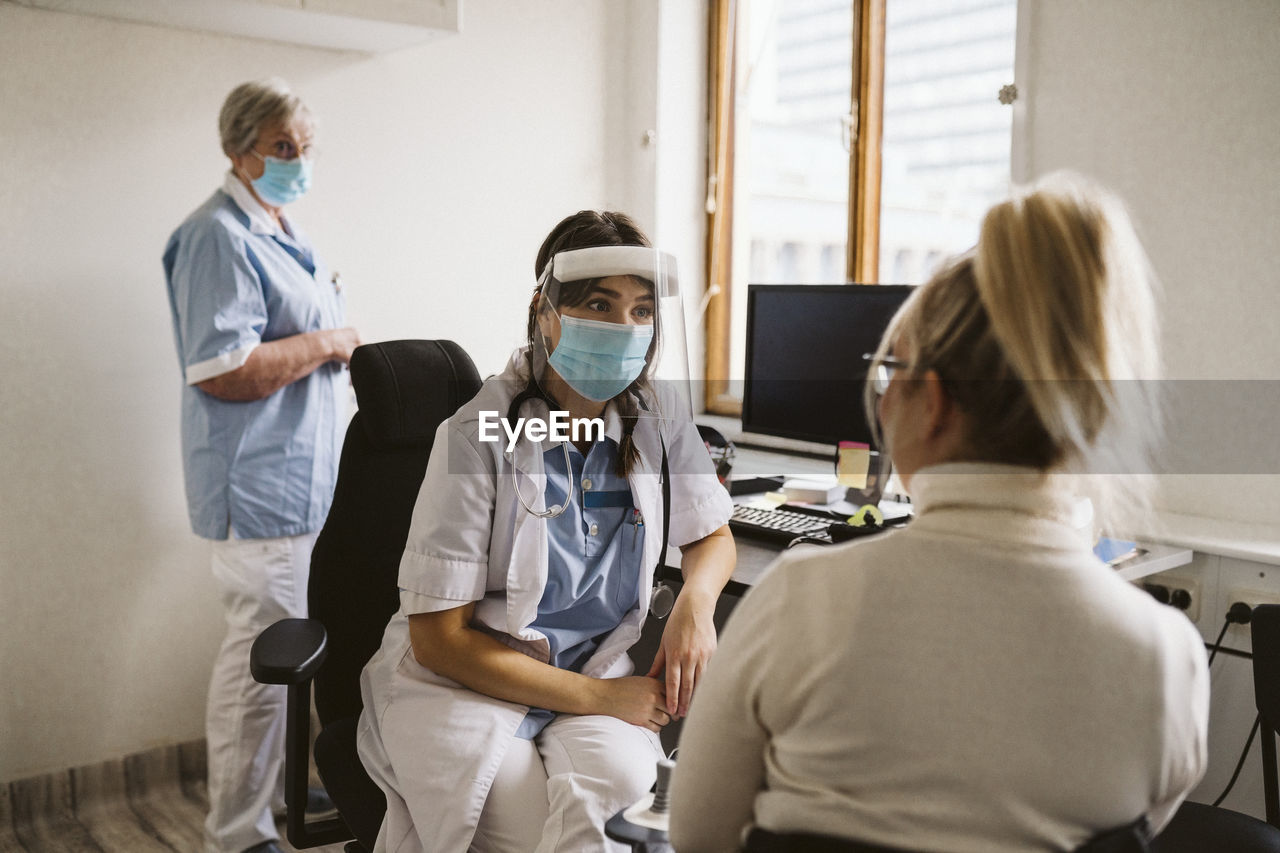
(945, 151)
(808, 98)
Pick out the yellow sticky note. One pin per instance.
(853, 460)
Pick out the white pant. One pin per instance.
(260, 581)
(554, 793)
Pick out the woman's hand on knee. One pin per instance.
(636, 699)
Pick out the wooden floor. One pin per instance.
(155, 801)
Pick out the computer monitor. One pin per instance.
(805, 373)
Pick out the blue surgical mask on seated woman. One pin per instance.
(283, 181)
(598, 359)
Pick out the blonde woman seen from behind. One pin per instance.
(977, 681)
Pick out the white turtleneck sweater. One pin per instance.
(977, 681)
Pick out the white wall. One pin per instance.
(1176, 106)
(442, 168)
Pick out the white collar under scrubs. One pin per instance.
(260, 222)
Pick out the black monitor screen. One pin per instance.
(805, 372)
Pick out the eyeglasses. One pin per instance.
(882, 370)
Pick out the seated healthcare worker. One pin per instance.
(501, 713)
(977, 681)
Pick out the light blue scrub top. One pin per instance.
(595, 548)
(264, 468)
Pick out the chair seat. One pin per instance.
(1199, 828)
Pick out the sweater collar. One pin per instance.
(1008, 502)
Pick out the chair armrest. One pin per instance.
(288, 652)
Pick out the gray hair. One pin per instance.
(252, 106)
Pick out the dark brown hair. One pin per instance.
(583, 230)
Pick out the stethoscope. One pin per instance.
(533, 392)
(663, 597)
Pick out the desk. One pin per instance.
(754, 556)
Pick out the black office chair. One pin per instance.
(404, 390)
(1197, 827)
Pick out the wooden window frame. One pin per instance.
(862, 253)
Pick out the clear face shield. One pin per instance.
(610, 326)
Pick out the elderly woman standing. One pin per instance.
(258, 322)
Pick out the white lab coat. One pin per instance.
(471, 540)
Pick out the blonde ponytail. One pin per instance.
(1046, 336)
(1069, 294)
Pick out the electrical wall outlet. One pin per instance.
(1184, 594)
(1251, 597)
(1177, 591)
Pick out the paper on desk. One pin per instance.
(768, 500)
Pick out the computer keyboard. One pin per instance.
(776, 525)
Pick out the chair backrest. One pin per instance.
(404, 389)
(1265, 632)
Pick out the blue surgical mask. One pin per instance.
(599, 360)
(283, 181)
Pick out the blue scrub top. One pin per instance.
(595, 548)
(263, 468)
